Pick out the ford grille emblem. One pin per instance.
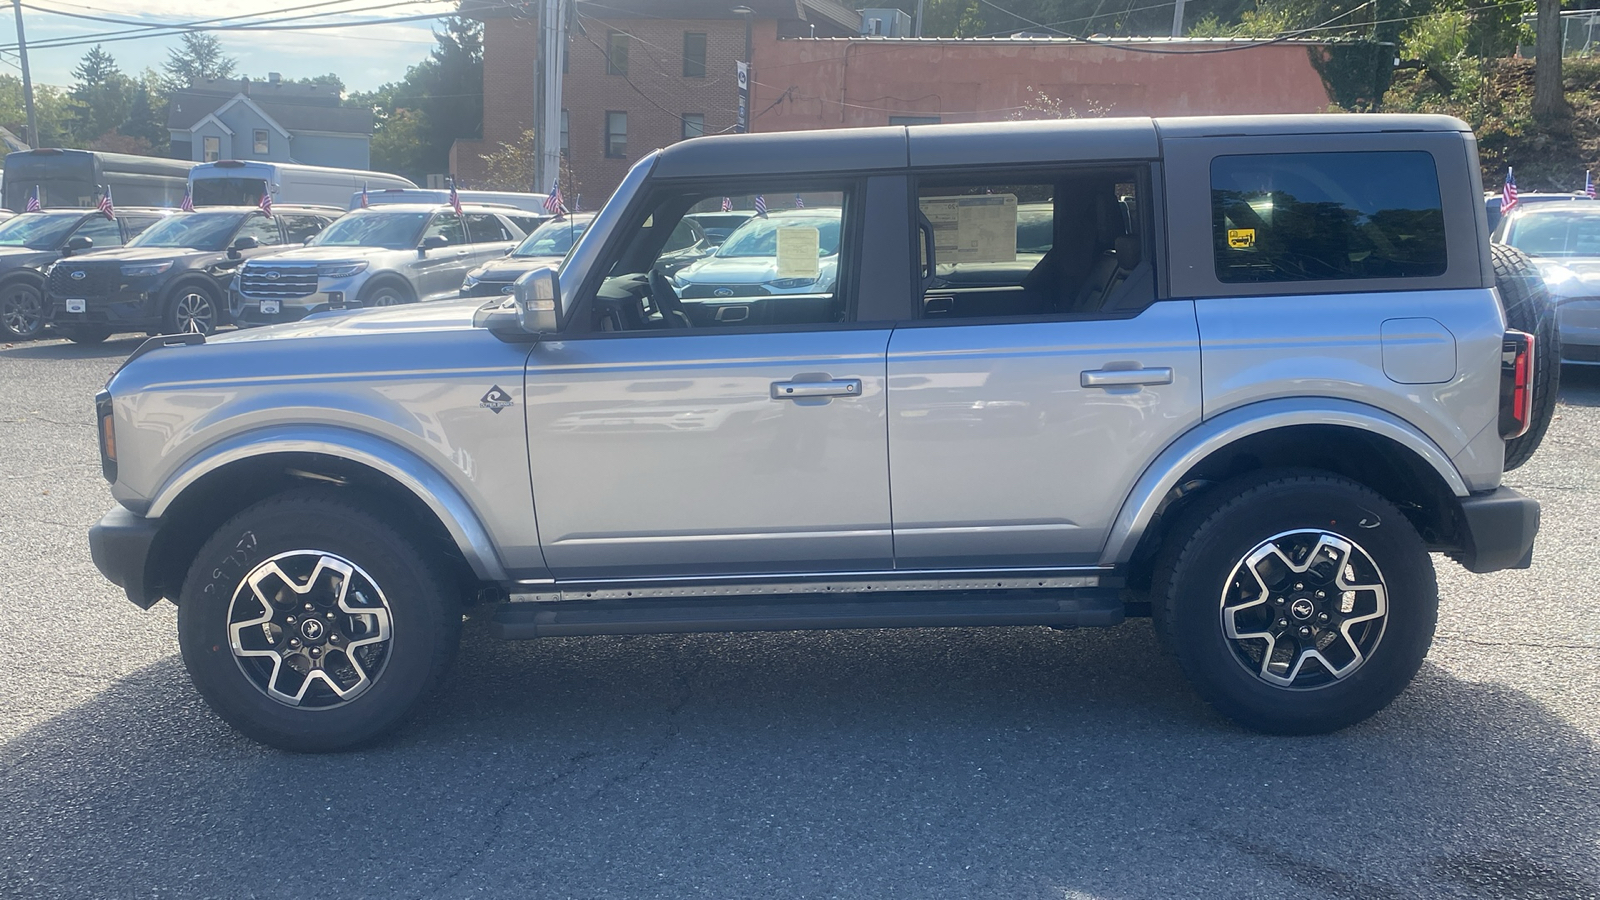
(722, 292)
(79, 275)
(508, 289)
(272, 276)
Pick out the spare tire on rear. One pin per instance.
(1529, 308)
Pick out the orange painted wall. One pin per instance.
(834, 83)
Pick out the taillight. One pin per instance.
(106, 425)
(1516, 384)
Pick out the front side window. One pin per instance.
(263, 229)
(103, 231)
(779, 268)
(617, 53)
(213, 149)
(694, 125)
(447, 226)
(261, 140)
(616, 134)
(301, 227)
(1326, 217)
(694, 54)
(1039, 245)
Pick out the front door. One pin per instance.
(668, 439)
(441, 271)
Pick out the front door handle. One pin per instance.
(1104, 378)
(802, 390)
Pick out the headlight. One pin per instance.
(134, 270)
(788, 283)
(472, 279)
(341, 270)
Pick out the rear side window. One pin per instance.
(1326, 217)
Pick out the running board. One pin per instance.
(1087, 607)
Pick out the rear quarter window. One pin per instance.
(1295, 217)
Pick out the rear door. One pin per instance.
(1040, 376)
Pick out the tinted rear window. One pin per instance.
(1326, 217)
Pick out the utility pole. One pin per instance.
(27, 79)
(552, 51)
(1177, 19)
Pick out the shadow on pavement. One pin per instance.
(1580, 385)
(117, 346)
(999, 763)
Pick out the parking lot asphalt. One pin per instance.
(1018, 762)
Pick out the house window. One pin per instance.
(617, 53)
(694, 124)
(694, 54)
(213, 149)
(261, 140)
(566, 133)
(616, 134)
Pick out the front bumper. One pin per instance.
(127, 306)
(1497, 530)
(1580, 330)
(120, 546)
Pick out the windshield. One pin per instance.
(551, 239)
(40, 231)
(228, 191)
(195, 231)
(1556, 234)
(759, 237)
(390, 230)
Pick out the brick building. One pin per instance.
(643, 74)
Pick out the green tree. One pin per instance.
(441, 99)
(50, 106)
(147, 114)
(102, 96)
(199, 57)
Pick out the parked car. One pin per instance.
(1493, 199)
(544, 246)
(747, 264)
(531, 205)
(1564, 240)
(381, 256)
(30, 242)
(173, 277)
(718, 225)
(1252, 409)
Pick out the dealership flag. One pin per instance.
(105, 207)
(761, 206)
(1588, 183)
(364, 203)
(266, 201)
(33, 202)
(187, 203)
(727, 204)
(798, 203)
(553, 203)
(1508, 194)
(455, 198)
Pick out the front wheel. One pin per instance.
(309, 624)
(1297, 603)
(21, 310)
(385, 293)
(193, 310)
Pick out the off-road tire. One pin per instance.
(1528, 307)
(423, 605)
(1201, 556)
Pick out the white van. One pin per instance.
(533, 203)
(237, 182)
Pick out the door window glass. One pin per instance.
(103, 231)
(136, 225)
(1326, 216)
(781, 267)
(1064, 244)
(301, 227)
(263, 229)
(486, 228)
(447, 225)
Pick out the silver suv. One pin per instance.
(383, 256)
(1242, 375)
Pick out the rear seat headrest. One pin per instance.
(1127, 248)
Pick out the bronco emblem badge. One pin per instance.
(497, 399)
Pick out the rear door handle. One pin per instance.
(1103, 378)
(801, 390)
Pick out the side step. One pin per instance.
(1088, 606)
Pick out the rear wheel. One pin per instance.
(310, 624)
(1528, 308)
(193, 310)
(1297, 603)
(21, 310)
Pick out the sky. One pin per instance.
(364, 57)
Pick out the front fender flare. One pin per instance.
(411, 471)
(1139, 509)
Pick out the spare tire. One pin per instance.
(1529, 308)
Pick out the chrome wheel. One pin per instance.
(1304, 609)
(194, 313)
(387, 297)
(22, 310)
(310, 629)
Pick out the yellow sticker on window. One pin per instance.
(1241, 238)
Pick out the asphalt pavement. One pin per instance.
(1018, 762)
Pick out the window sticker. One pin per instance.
(1242, 238)
(799, 252)
(973, 229)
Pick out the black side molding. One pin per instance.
(1497, 531)
(120, 546)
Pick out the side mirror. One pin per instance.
(306, 241)
(432, 242)
(243, 242)
(538, 298)
(77, 244)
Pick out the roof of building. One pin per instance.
(830, 17)
(293, 110)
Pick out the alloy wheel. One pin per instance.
(194, 313)
(22, 311)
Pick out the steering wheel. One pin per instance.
(666, 300)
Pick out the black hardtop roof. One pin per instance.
(990, 143)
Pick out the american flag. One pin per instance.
(33, 201)
(266, 202)
(105, 207)
(455, 198)
(761, 206)
(1588, 184)
(727, 204)
(187, 203)
(1508, 194)
(364, 203)
(553, 204)
(798, 203)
